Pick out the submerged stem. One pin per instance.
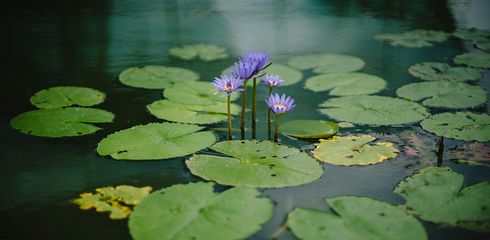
(229, 118)
(269, 113)
(244, 106)
(254, 107)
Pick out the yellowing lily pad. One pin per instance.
(196, 93)
(342, 84)
(205, 52)
(58, 97)
(442, 71)
(327, 63)
(466, 126)
(156, 77)
(413, 39)
(477, 60)
(309, 128)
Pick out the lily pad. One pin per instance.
(116, 200)
(376, 110)
(290, 76)
(309, 128)
(442, 71)
(196, 114)
(327, 63)
(58, 97)
(205, 52)
(413, 39)
(354, 150)
(342, 84)
(437, 194)
(195, 211)
(196, 93)
(473, 34)
(478, 60)
(256, 164)
(356, 218)
(155, 141)
(466, 126)
(61, 122)
(444, 94)
(484, 45)
(156, 77)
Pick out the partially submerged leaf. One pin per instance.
(205, 52)
(473, 34)
(327, 63)
(196, 93)
(309, 128)
(195, 211)
(466, 126)
(477, 60)
(156, 77)
(342, 84)
(58, 97)
(413, 39)
(443, 71)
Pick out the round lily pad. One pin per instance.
(327, 63)
(290, 76)
(342, 84)
(61, 122)
(256, 164)
(356, 218)
(442, 71)
(195, 211)
(437, 194)
(58, 97)
(354, 150)
(459, 125)
(484, 45)
(413, 39)
(196, 93)
(309, 128)
(196, 114)
(156, 77)
(375, 110)
(478, 60)
(444, 94)
(205, 52)
(155, 141)
(473, 34)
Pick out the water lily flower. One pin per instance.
(272, 80)
(280, 104)
(260, 59)
(244, 70)
(227, 84)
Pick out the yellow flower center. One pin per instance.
(228, 87)
(280, 106)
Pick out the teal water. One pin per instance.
(87, 43)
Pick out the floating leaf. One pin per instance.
(444, 94)
(356, 218)
(309, 128)
(195, 211)
(196, 93)
(484, 45)
(58, 97)
(156, 77)
(376, 110)
(466, 126)
(256, 164)
(442, 71)
(205, 52)
(437, 195)
(155, 141)
(327, 63)
(478, 60)
(61, 122)
(413, 39)
(473, 153)
(473, 34)
(342, 84)
(290, 76)
(114, 200)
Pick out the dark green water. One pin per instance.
(87, 43)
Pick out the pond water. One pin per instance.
(88, 43)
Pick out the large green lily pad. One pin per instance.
(354, 150)
(196, 93)
(205, 52)
(413, 39)
(478, 60)
(256, 164)
(58, 97)
(195, 211)
(473, 34)
(327, 63)
(156, 77)
(484, 45)
(376, 110)
(442, 71)
(459, 125)
(61, 122)
(196, 114)
(155, 141)
(309, 128)
(437, 194)
(444, 94)
(356, 218)
(342, 84)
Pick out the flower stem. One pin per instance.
(244, 106)
(276, 133)
(229, 118)
(254, 107)
(269, 113)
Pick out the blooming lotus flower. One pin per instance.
(227, 84)
(280, 105)
(272, 80)
(244, 70)
(260, 59)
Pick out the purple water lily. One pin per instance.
(272, 80)
(227, 84)
(280, 104)
(260, 59)
(244, 70)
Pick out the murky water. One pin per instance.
(87, 43)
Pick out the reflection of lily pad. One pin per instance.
(356, 218)
(206, 52)
(58, 97)
(195, 211)
(436, 194)
(309, 128)
(473, 34)
(478, 60)
(256, 164)
(327, 63)
(196, 93)
(196, 114)
(156, 77)
(484, 45)
(376, 110)
(442, 71)
(473, 153)
(459, 125)
(413, 39)
(354, 150)
(62, 122)
(342, 84)
(444, 94)
(155, 141)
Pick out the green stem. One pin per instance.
(229, 118)
(254, 107)
(276, 133)
(244, 106)
(269, 113)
